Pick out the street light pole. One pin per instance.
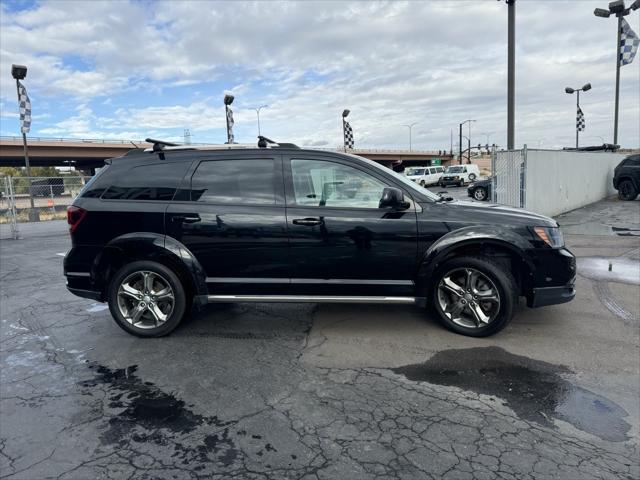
(19, 72)
(569, 90)
(460, 144)
(410, 127)
(258, 114)
(615, 115)
(511, 73)
(618, 9)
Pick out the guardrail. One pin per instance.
(137, 142)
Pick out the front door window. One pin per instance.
(327, 184)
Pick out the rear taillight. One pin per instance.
(74, 217)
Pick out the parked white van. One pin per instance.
(424, 175)
(459, 175)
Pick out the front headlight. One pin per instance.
(471, 185)
(552, 236)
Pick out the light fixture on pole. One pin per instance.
(625, 51)
(460, 143)
(228, 100)
(410, 127)
(580, 124)
(487, 135)
(258, 114)
(19, 72)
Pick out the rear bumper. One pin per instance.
(92, 294)
(541, 297)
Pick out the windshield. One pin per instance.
(454, 170)
(408, 184)
(415, 171)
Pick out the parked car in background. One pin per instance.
(158, 231)
(480, 189)
(424, 176)
(459, 175)
(626, 178)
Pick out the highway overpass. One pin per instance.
(88, 154)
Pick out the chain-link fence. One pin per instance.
(24, 199)
(509, 170)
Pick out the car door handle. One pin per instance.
(195, 218)
(308, 222)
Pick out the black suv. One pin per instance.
(626, 178)
(158, 232)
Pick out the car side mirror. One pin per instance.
(393, 198)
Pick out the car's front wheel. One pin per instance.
(626, 190)
(147, 299)
(480, 194)
(474, 296)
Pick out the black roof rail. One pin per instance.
(263, 142)
(158, 146)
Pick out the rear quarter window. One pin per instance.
(157, 181)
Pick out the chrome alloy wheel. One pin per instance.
(468, 298)
(145, 299)
(479, 194)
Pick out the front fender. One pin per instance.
(148, 246)
(483, 235)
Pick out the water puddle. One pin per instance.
(617, 269)
(140, 413)
(534, 390)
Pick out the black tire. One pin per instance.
(472, 177)
(480, 194)
(422, 184)
(166, 274)
(501, 278)
(461, 184)
(627, 190)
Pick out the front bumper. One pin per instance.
(541, 297)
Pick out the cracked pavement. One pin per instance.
(312, 392)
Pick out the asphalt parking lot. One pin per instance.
(323, 391)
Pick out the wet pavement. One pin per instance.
(307, 391)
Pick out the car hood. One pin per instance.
(491, 213)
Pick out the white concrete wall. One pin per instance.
(560, 181)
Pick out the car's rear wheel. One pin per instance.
(626, 190)
(147, 299)
(474, 296)
(480, 193)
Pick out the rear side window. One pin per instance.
(242, 181)
(147, 182)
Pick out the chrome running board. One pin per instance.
(308, 299)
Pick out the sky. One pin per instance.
(136, 69)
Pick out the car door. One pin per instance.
(230, 214)
(341, 242)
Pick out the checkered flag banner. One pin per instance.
(230, 125)
(25, 109)
(348, 136)
(580, 120)
(629, 42)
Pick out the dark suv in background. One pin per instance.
(626, 178)
(159, 231)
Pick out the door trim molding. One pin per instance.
(310, 299)
(307, 281)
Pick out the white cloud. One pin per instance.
(391, 63)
